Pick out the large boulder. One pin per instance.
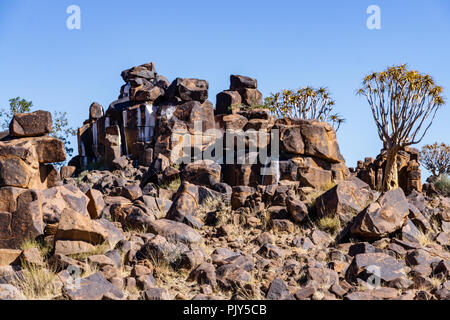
(22, 161)
(20, 216)
(56, 200)
(379, 266)
(242, 82)
(75, 226)
(175, 231)
(204, 172)
(228, 100)
(93, 287)
(346, 200)
(184, 203)
(9, 257)
(9, 292)
(95, 111)
(309, 137)
(383, 217)
(31, 124)
(188, 90)
(146, 71)
(310, 172)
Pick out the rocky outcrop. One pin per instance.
(156, 222)
(371, 170)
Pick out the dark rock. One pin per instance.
(279, 290)
(368, 265)
(240, 82)
(383, 217)
(31, 124)
(94, 287)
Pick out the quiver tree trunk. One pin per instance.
(390, 181)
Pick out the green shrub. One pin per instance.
(443, 185)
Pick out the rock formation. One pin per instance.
(371, 170)
(171, 198)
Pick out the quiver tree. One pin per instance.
(436, 159)
(404, 104)
(305, 103)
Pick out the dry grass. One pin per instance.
(89, 269)
(173, 185)
(424, 239)
(436, 282)
(210, 204)
(38, 283)
(98, 250)
(330, 224)
(43, 247)
(312, 197)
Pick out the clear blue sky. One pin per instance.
(284, 44)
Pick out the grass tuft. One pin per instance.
(330, 224)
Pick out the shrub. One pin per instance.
(443, 185)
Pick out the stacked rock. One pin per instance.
(151, 116)
(371, 171)
(27, 155)
(307, 153)
(155, 123)
(243, 92)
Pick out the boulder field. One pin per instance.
(133, 217)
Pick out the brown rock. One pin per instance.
(31, 257)
(383, 217)
(95, 111)
(240, 82)
(282, 225)
(347, 199)
(185, 203)
(291, 140)
(240, 195)
(78, 227)
(188, 90)
(379, 265)
(55, 200)
(251, 97)
(227, 101)
(67, 247)
(204, 172)
(205, 273)
(9, 257)
(234, 122)
(96, 203)
(297, 210)
(31, 124)
(175, 230)
(20, 216)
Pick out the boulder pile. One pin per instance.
(371, 170)
(142, 213)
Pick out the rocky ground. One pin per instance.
(281, 244)
(124, 221)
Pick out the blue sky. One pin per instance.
(284, 44)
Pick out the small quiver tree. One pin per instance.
(404, 104)
(436, 159)
(304, 103)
